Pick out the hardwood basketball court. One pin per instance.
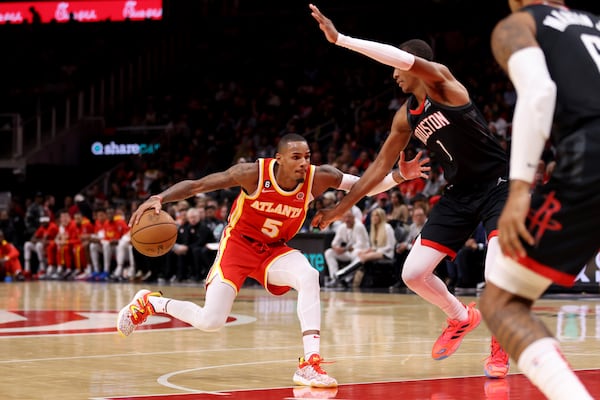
(59, 341)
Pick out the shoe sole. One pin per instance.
(487, 375)
(303, 382)
(496, 375)
(139, 294)
(123, 310)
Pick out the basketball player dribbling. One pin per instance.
(269, 211)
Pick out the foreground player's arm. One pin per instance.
(243, 174)
(516, 50)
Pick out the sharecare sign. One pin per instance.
(82, 10)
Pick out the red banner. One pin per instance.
(82, 11)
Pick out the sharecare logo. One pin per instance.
(130, 11)
(119, 149)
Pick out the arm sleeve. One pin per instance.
(384, 53)
(384, 185)
(534, 111)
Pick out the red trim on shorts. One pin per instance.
(559, 277)
(434, 245)
(492, 234)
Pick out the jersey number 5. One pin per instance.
(271, 227)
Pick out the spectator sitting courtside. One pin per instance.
(351, 238)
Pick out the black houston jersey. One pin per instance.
(459, 139)
(570, 40)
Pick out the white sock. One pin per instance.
(159, 303)
(312, 343)
(544, 364)
(456, 311)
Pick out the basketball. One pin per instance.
(154, 234)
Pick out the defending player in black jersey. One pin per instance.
(552, 55)
(442, 116)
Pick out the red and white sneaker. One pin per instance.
(454, 333)
(136, 312)
(310, 373)
(496, 365)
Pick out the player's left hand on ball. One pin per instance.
(152, 202)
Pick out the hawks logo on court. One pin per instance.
(68, 322)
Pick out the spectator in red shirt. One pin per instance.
(410, 189)
(363, 161)
(43, 244)
(9, 260)
(67, 236)
(109, 229)
(80, 245)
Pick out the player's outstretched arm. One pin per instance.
(441, 83)
(384, 53)
(244, 175)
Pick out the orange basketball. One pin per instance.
(154, 234)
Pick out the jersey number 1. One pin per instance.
(592, 44)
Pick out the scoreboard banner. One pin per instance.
(81, 11)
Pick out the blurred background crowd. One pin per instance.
(96, 117)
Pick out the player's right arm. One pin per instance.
(243, 174)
